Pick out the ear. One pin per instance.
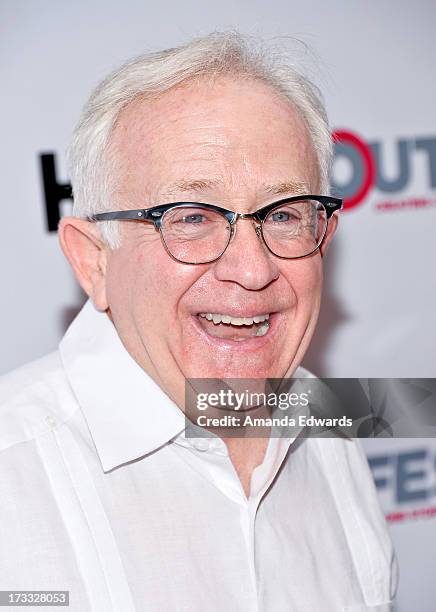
(331, 228)
(87, 255)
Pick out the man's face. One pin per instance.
(239, 146)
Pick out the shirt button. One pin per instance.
(50, 421)
(201, 444)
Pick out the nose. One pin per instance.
(246, 260)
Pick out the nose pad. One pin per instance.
(248, 264)
(257, 229)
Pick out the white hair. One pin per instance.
(150, 75)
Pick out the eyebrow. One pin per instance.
(199, 185)
(185, 186)
(297, 187)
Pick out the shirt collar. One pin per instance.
(128, 414)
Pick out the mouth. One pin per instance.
(236, 329)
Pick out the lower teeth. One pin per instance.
(263, 329)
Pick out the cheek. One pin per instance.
(120, 280)
(159, 286)
(305, 279)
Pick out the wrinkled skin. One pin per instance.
(227, 144)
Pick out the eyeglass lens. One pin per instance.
(199, 235)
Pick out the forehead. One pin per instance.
(234, 135)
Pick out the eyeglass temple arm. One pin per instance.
(142, 215)
(331, 204)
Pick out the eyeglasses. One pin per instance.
(197, 233)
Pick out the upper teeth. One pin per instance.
(223, 318)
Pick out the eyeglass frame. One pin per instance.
(156, 214)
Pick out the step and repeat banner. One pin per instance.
(375, 63)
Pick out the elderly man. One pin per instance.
(202, 214)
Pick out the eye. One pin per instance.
(194, 218)
(280, 216)
(285, 215)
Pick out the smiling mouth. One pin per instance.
(234, 328)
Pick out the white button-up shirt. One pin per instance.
(101, 494)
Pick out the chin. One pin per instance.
(254, 367)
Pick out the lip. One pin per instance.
(250, 345)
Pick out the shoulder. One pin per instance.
(30, 396)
